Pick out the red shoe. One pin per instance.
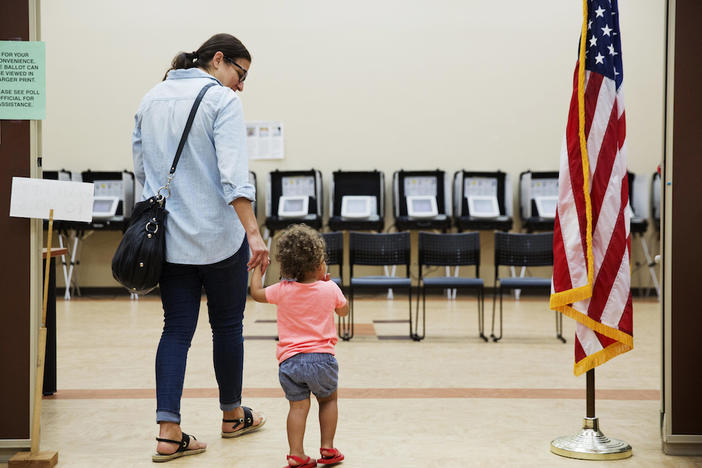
(335, 457)
(309, 463)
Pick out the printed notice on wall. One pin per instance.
(22, 80)
(265, 140)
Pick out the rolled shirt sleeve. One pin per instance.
(231, 149)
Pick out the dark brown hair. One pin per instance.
(229, 45)
(301, 249)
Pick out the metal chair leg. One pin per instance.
(411, 328)
(498, 338)
(345, 328)
(424, 315)
(340, 320)
(414, 334)
(494, 299)
(72, 265)
(481, 314)
(349, 325)
(651, 265)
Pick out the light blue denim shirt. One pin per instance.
(202, 226)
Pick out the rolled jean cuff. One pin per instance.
(230, 406)
(167, 416)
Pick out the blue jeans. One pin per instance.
(181, 286)
(309, 372)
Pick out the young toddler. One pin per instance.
(306, 300)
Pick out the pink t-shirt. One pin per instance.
(305, 316)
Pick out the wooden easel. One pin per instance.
(35, 458)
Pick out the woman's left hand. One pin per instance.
(259, 252)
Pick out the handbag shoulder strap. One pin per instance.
(189, 124)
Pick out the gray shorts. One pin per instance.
(309, 372)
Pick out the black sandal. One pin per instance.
(181, 452)
(247, 421)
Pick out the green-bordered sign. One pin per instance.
(22, 80)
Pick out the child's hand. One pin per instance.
(326, 277)
(344, 309)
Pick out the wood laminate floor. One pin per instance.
(451, 400)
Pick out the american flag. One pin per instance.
(591, 243)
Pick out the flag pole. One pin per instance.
(590, 394)
(590, 443)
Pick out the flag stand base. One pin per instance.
(590, 444)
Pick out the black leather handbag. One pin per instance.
(139, 258)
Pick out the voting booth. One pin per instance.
(421, 200)
(482, 200)
(538, 200)
(62, 175)
(63, 227)
(293, 197)
(640, 205)
(357, 201)
(639, 201)
(113, 199)
(656, 200)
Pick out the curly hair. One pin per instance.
(300, 251)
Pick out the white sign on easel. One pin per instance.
(34, 198)
(46, 199)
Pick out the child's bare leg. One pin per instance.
(328, 416)
(297, 419)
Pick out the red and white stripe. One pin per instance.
(610, 302)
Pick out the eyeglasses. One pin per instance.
(243, 71)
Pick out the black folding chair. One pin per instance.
(378, 250)
(455, 250)
(450, 250)
(522, 250)
(335, 253)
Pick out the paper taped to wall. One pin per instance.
(265, 140)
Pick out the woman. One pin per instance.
(211, 227)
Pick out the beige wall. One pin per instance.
(359, 85)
